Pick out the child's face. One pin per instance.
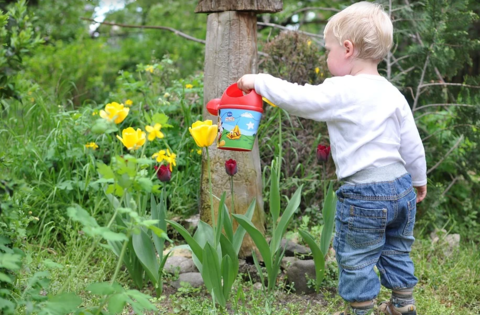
(337, 63)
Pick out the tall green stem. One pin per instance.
(231, 194)
(120, 260)
(280, 145)
(211, 191)
(324, 176)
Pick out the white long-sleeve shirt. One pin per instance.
(369, 121)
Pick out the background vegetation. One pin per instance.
(57, 71)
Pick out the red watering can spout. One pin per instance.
(212, 106)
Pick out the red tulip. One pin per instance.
(323, 152)
(163, 173)
(231, 167)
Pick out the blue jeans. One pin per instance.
(374, 226)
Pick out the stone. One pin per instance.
(297, 272)
(448, 242)
(287, 262)
(452, 244)
(292, 249)
(179, 264)
(192, 222)
(193, 278)
(183, 252)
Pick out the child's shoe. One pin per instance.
(389, 307)
(365, 310)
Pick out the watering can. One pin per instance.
(238, 118)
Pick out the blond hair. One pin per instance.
(367, 26)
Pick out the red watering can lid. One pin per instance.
(233, 98)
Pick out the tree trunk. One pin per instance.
(230, 52)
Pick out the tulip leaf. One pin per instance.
(219, 227)
(145, 252)
(286, 217)
(318, 257)
(158, 213)
(257, 238)
(203, 234)
(259, 268)
(211, 269)
(275, 270)
(196, 249)
(230, 269)
(240, 232)
(329, 208)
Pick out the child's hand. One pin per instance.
(247, 82)
(421, 192)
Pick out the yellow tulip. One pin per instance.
(204, 133)
(114, 112)
(154, 132)
(132, 139)
(268, 102)
(91, 145)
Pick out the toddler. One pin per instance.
(377, 152)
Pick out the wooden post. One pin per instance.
(230, 52)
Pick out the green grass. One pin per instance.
(244, 142)
(447, 285)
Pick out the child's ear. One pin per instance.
(348, 45)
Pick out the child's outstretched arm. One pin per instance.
(413, 153)
(317, 102)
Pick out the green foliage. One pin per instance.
(60, 20)
(17, 39)
(272, 253)
(215, 254)
(320, 252)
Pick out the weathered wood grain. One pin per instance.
(258, 6)
(230, 52)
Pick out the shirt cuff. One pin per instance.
(418, 183)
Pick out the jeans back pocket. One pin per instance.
(366, 227)
(411, 212)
